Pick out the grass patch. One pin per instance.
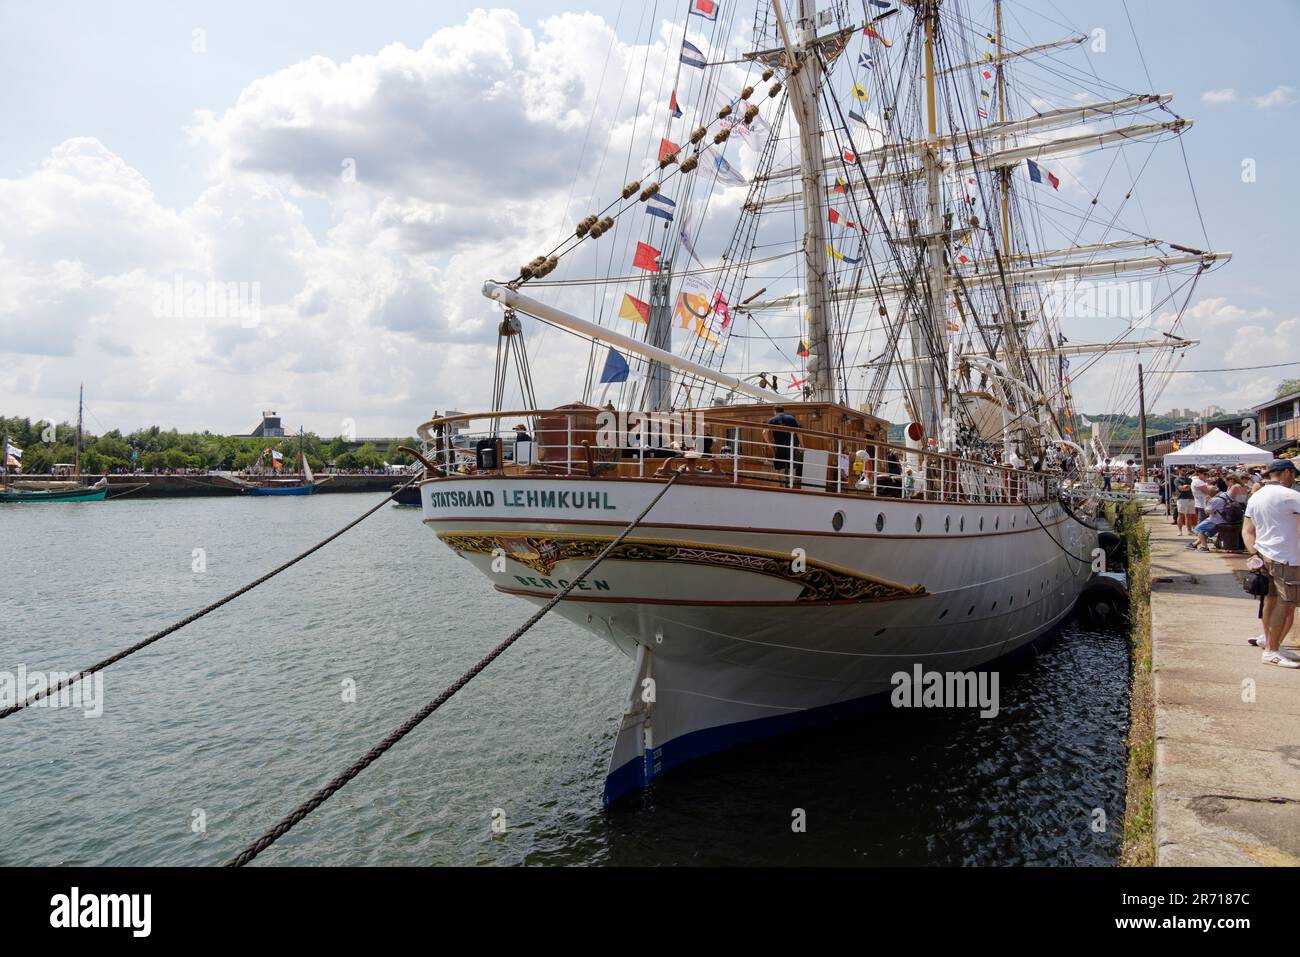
(1139, 848)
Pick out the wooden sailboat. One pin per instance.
(303, 486)
(75, 490)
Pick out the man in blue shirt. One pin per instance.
(782, 442)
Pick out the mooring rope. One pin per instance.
(325, 793)
(1055, 541)
(101, 665)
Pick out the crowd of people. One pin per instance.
(1206, 502)
(1256, 510)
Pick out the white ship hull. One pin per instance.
(747, 629)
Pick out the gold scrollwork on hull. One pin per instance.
(818, 582)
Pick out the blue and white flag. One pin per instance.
(616, 368)
(727, 173)
(866, 61)
(692, 55)
(1034, 173)
(661, 206)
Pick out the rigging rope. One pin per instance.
(158, 635)
(324, 794)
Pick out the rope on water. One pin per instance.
(325, 793)
(101, 665)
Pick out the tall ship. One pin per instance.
(848, 215)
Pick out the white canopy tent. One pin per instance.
(1217, 447)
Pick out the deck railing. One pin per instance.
(715, 450)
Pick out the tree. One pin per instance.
(1287, 386)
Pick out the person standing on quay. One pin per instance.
(1271, 532)
(1201, 490)
(1184, 503)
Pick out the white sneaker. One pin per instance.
(1282, 661)
(1258, 641)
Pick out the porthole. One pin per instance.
(918, 523)
(837, 521)
(961, 524)
(995, 607)
(878, 633)
(997, 522)
(970, 611)
(943, 614)
(1011, 600)
(947, 523)
(880, 522)
(981, 523)
(1013, 521)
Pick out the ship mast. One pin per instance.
(929, 327)
(1010, 333)
(804, 86)
(81, 401)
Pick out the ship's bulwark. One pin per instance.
(741, 630)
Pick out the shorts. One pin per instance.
(1207, 527)
(1186, 506)
(1285, 580)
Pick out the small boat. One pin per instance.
(74, 490)
(409, 495)
(80, 493)
(272, 486)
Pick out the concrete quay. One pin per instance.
(1227, 727)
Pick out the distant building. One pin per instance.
(1279, 422)
(269, 427)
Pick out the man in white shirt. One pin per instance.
(1271, 530)
(1201, 491)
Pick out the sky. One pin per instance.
(367, 166)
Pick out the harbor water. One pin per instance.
(213, 734)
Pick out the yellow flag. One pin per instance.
(833, 252)
(634, 309)
(860, 92)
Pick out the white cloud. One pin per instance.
(1228, 95)
(464, 153)
(1278, 96)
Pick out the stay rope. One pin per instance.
(325, 793)
(158, 635)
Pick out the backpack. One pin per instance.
(1233, 511)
